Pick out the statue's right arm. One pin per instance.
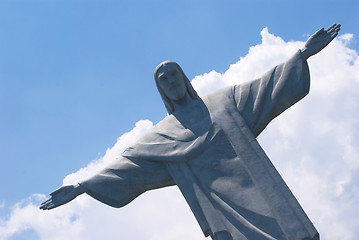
(62, 195)
(319, 40)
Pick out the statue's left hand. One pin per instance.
(319, 40)
(61, 196)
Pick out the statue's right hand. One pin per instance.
(61, 196)
(319, 40)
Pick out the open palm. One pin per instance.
(61, 196)
(320, 40)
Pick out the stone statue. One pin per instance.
(208, 148)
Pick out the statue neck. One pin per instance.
(182, 103)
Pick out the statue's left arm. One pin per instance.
(262, 100)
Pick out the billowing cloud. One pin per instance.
(313, 145)
(114, 152)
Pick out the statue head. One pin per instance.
(172, 84)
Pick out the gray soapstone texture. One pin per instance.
(208, 148)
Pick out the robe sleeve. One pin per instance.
(125, 179)
(263, 99)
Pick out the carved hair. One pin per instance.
(167, 101)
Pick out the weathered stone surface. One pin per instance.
(208, 148)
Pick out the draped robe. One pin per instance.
(209, 150)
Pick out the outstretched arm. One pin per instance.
(319, 40)
(62, 195)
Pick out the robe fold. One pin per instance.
(209, 150)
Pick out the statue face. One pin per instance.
(171, 81)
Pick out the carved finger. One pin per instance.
(47, 201)
(55, 201)
(50, 206)
(331, 30)
(331, 35)
(328, 39)
(45, 206)
(318, 32)
(335, 29)
(331, 27)
(334, 35)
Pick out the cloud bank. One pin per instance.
(314, 145)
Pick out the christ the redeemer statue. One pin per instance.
(208, 148)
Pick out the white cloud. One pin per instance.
(314, 146)
(260, 58)
(114, 152)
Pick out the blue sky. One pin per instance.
(76, 75)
